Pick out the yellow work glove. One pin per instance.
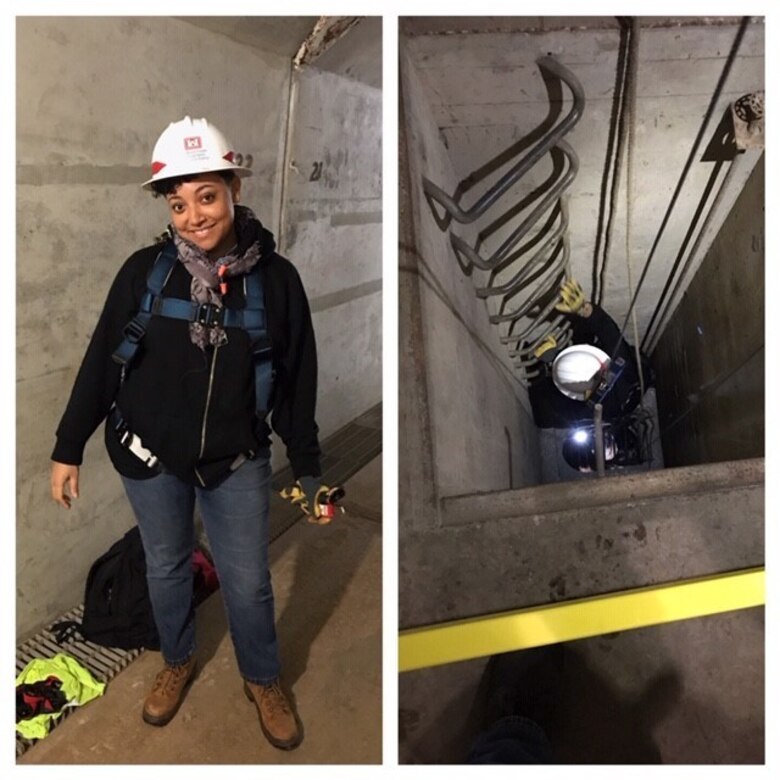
(546, 350)
(571, 297)
(315, 500)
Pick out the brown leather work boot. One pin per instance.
(168, 693)
(278, 719)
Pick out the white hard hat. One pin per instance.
(189, 147)
(577, 368)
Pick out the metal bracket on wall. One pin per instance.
(748, 116)
(534, 280)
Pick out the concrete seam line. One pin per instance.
(461, 640)
(80, 174)
(329, 300)
(462, 511)
(356, 218)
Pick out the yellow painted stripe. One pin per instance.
(460, 640)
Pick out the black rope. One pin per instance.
(622, 131)
(663, 301)
(599, 256)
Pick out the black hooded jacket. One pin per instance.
(195, 409)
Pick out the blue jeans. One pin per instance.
(235, 516)
(512, 740)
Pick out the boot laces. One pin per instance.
(169, 677)
(275, 698)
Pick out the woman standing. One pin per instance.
(201, 337)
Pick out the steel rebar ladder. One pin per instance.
(534, 280)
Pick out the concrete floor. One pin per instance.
(327, 583)
(684, 693)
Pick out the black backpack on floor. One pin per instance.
(117, 610)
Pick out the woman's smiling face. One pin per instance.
(202, 211)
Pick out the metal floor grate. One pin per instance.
(344, 454)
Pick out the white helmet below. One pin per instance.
(190, 147)
(578, 369)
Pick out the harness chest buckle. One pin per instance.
(209, 315)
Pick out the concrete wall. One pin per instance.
(482, 434)
(418, 507)
(333, 233)
(92, 96)
(710, 358)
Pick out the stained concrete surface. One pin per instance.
(656, 695)
(476, 402)
(509, 562)
(332, 230)
(710, 367)
(687, 692)
(327, 583)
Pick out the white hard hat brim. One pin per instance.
(239, 170)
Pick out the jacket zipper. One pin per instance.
(206, 413)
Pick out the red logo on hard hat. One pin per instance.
(193, 142)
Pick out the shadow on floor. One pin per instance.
(585, 716)
(592, 722)
(312, 600)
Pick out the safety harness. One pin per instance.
(252, 319)
(39, 698)
(609, 379)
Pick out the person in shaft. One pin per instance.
(560, 394)
(202, 337)
(599, 367)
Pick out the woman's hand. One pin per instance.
(64, 476)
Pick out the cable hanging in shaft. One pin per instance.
(632, 74)
(714, 102)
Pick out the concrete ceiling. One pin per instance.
(448, 25)
(277, 34)
(486, 95)
(356, 55)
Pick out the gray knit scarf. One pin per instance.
(204, 271)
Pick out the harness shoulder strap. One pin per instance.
(257, 329)
(135, 330)
(161, 270)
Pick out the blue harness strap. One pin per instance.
(258, 337)
(252, 319)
